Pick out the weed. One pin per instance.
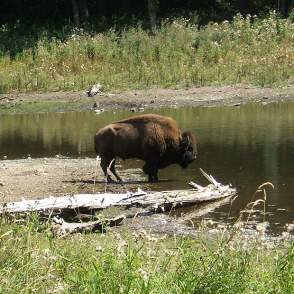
(247, 50)
(232, 262)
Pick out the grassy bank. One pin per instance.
(33, 261)
(246, 50)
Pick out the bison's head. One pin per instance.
(188, 149)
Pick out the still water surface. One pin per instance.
(245, 146)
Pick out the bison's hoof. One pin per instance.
(153, 179)
(110, 180)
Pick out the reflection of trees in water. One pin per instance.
(247, 128)
(271, 165)
(50, 132)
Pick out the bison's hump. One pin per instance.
(146, 118)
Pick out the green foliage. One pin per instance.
(33, 261)
(247, 50)
(285, 270)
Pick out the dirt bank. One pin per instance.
(152, 98)
(42, 177)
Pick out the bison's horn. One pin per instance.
(185, 139)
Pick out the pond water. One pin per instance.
(245, 146)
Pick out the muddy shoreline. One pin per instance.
(36, 178)
(148, 99)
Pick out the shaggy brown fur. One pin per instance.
(153, 138)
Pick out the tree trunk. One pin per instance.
(243, 6)
(152, 11)
(76, 14)
(125, 6)
(85, 11)
(290, 7)
(283, 7)
(101, 7)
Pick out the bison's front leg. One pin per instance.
(151, 170)
(153, 178)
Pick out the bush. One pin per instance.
(247, 50)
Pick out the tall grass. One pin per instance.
(247, 50)
(33, 261)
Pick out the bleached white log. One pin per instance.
(210, 178)
(62, 228)
(196, 186)
(102, 200)
(152, 201)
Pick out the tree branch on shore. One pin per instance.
(150, 201)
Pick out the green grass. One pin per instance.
(31, 260)
(247, 50)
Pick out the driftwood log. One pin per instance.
(151, 201)
(61, 228)
(148, 202)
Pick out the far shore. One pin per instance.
(150, 98)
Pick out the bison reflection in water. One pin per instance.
(153, 138)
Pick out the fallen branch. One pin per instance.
(150, 201)
(61, 228)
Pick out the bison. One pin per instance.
(153, 138)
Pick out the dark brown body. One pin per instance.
(153, 138)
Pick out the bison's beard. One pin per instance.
(183, 159)
(186, 159)
(184, 165)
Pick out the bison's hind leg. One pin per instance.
(105, 163)
(112, 169)
(109, 163)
